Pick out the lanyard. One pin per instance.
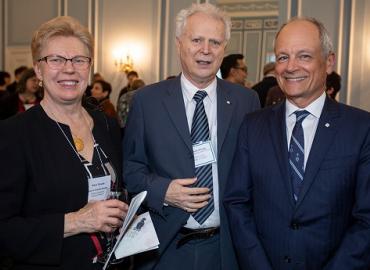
(78, 155)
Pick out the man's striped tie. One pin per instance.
(296, 153)
(200, 133)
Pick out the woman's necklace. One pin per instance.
(77, 141)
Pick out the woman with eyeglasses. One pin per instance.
(59, 162)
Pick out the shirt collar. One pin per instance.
(189, 89)
(314, 108)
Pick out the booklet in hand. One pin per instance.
(137, 234)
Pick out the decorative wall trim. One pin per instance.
(96, 32)
(165, 28)
(350, 54)
(253, 24)
(2, 45)
(65, 7)
(340, 35)
(158, 41)
(236, 24)
(60, 7)
(270, 23)
(250, 6)
(289, 10)
(5, 32)
(299, 7)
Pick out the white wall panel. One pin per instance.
(252, 52)
(21, 19)
(24, 16)
(128, 27)
(78, 9)
(327, 12)
(172, 61)
(359, 65)
(235, 44)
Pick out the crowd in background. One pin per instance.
(26, 91)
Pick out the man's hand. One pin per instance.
(190, 199)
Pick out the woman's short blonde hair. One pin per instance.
(64, 26)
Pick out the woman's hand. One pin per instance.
(103, 216)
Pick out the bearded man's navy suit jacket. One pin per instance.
(329, 226)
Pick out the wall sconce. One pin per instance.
(124, 66)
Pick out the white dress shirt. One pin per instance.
(210, 106)
(309, 124)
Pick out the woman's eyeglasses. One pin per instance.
(57, 62)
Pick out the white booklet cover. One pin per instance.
(141, 233)
(140, 237)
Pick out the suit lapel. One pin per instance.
(279, 139)
(326, 129)
(174, 103)
(225, 107)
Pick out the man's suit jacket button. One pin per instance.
(287, 259)
(294, 226)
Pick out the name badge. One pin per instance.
(203, 154)
(99, 188)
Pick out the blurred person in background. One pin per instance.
(5, 79)
(234, 69)
(333, 84)
(101, 91)
(131, 77)
(17, 76)
(262, 88)
(97, 76)
(125, 101)
(28, 94)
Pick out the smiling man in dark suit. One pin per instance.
(299, 191)
(181, 137)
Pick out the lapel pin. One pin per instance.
(228, 102)
(327, 125)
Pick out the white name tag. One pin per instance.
(203, 154)
(99, 188)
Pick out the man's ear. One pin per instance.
(232, 72)
(330, 63)
(330, 91)
(178, 45)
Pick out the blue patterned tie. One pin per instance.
(296, 153)
(199, 133)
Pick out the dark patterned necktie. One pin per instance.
(296, 153)
(200, 133)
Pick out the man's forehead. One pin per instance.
(300, 28)
(299, 34)
(201, 20)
